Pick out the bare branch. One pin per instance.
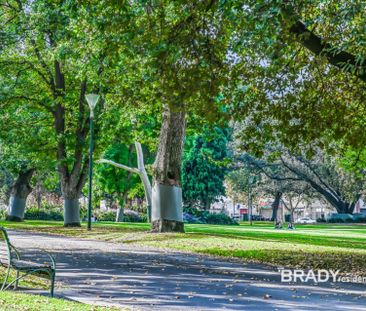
(125, 167)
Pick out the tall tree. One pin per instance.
(23, 153)
(178, 60)
(341, 189)
(51, 67)
(203, 169)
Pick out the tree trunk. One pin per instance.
(167, 210)
(206, 204)
(71, 205)
(38, 194)
(71, 190)
(275, 205)
(120, 211)
(345, 207)
(18, 195)
(144, 178)
(120, 214)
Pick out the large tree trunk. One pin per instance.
(71, 205)
(275, 205)
(345, 207)
(167, 211)
(18, 195)
(72, 180)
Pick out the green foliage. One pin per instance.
(214, 60)
(346, 218)
(34, 213)
(220, 219)
(133, 218)
(204, 167)
(111, 216)
(213, 219)
(106, 216)
(6, 180)
(292, 95)
(354, 161)
(115, 181)
(3, 214)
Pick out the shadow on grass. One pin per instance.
(293, 237)
(161, 237)
(345, 262)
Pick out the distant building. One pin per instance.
(263, 208)
(227, 206)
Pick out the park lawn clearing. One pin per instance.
(13, 301)
(324, 246)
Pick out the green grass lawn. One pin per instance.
(320, 246)
(11, 301)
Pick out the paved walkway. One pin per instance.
(145, 279)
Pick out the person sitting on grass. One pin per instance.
(290, 226)
(278, 225)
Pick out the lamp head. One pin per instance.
(92, 100)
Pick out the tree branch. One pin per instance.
(125, 167)
(319, 47)
(51, 81)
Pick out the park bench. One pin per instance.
(11, 258)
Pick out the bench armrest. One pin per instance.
(53, 261)
(15, 250)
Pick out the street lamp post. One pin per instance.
(249, 205)
(250, 209)
(92, 100)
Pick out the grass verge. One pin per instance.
(13, 301)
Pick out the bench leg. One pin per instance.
(17, 281)
(53, 276)
(6, 278)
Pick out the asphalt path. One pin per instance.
(143, 278)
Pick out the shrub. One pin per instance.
(106, 216)
(194, 215)
(34, 213)
(359, 218)
(220, 219)
(322, 219)
(111, 216)
(346, 218)
(134, 218)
